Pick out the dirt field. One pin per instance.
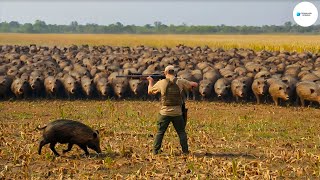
(297, 43)
(226, 141)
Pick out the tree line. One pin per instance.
(157, 28)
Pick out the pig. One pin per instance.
(119, 85)
(52, 86)
(238, 89)
(241, 71)
(259, 88)
(262, 74)
(222, 87)
(310, 77)
(87, 86)
(5, 84)
(206, 88)
(70, 86)
(279, 89)
(309, 91)
(212, 75)
(138, 87)
(291, 82)
(189, 75)
(72, 132)
(20, 88)
(103, 87)
(120, 88)
(292, 71)
(76, 76)
(36, 84)
(25, 76)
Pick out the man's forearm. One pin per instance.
(150, 87)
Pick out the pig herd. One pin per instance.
(90, 72)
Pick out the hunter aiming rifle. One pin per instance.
(156, 77)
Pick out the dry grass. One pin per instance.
(297, 43)
(226, 140)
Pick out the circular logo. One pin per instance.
(305, 14)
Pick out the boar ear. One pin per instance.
(312, 91)
(95, 135)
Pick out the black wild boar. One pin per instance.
(71, 132)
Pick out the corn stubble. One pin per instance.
(279, 42)
(227, 140)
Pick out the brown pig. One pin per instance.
(259, 88)
(279, 89)
(309, 91)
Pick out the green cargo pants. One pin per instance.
(179, 126)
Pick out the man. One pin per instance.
(171, 101)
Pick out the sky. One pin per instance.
(141, 12)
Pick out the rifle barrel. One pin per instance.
(157, 76)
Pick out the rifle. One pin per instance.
(142, 76)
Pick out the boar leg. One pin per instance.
(42, 143)
(258, 98)
(193, 94)
(84, 148)
(275, 100)
(302, 102)
(69, 148)
(52, 147)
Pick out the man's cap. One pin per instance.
(168, 68)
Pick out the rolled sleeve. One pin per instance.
(154, 89)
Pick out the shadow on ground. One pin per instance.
(94, 156)
(225, 155)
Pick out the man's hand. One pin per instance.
(193, 84)
(150, 79)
